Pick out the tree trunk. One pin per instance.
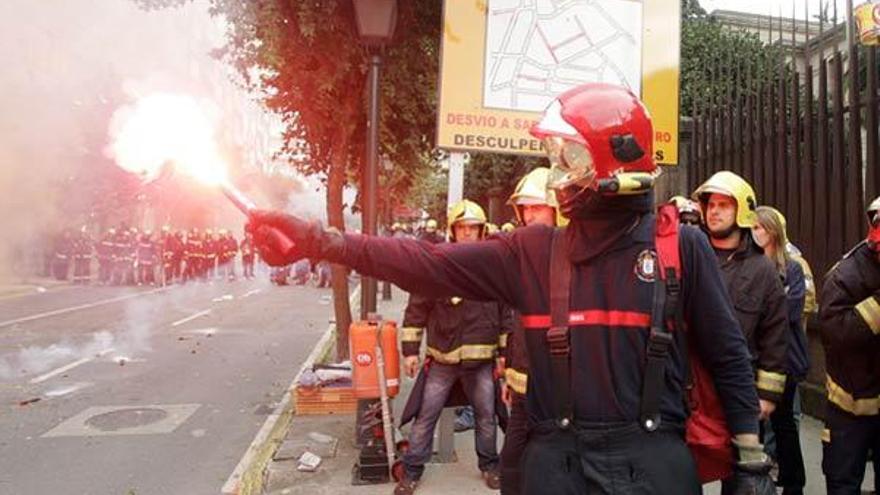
(341, 308)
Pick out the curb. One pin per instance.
(248, 476)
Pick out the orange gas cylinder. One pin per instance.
(362, 338)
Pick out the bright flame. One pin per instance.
(165, 128)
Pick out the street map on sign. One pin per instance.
(536, 49)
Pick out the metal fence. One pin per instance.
(805, 139)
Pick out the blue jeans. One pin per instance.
(479, 386)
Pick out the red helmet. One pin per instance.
(598, 136)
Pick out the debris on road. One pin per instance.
(30, 401)
(308, 462)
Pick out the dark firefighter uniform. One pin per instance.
(63, 253)
(210, 250)
(193, 254)
(146, 258)
(82, 259)
(461, 334)
(850, 327)
(121, 256)
(463, 340)
(609, 333)
(248, 253)
(226, 260)
(530, 190)
(755, 288)
(105, 250)
(599, 445)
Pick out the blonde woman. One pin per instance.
(770, 235)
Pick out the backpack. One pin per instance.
(706, 431)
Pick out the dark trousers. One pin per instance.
(515, 439)
(479, 386)
(845, 453)
(792, 476)
(608, 459)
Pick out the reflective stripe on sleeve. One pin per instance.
(869, 310)
(771, 382)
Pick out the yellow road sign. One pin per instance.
(503, 63)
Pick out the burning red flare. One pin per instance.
(165, 128)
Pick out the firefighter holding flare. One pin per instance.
(588, 359)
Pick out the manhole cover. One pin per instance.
(126, 418)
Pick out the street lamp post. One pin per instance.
(376, 20)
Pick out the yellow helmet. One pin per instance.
(491, 228)
(729, 184)
(465, 212)
(431, 225)
(507, 227)
(532, 190)
(395, 226)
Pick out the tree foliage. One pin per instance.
(717, 60)
(304, 60)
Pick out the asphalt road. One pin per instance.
(107, 390)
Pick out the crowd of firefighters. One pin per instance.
(613, 330)
(128, 256)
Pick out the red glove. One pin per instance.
(276, 236)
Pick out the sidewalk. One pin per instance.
(334, 474)
(18, 286)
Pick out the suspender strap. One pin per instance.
(664, 311)
(558, 339)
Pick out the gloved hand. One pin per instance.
(751, 474)
(282, 239)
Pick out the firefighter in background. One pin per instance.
(193, 255)
(63, 252)
(105, 249)
(82, 257)
(230, 251)
(849, 312)
(209, 255)
(131, 256)
(583, 400)
(688, 210)
(533, 204)
(728, 203)
(248, 255)
(166, 250)
(431, 234)
(147, 254)
(507, 227)
(178, 246)
(463, 338)
(121, 256)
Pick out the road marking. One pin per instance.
(68, 367)
(251, 293)
(77, 308)
(191, 317)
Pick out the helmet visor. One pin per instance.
(571, 163)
